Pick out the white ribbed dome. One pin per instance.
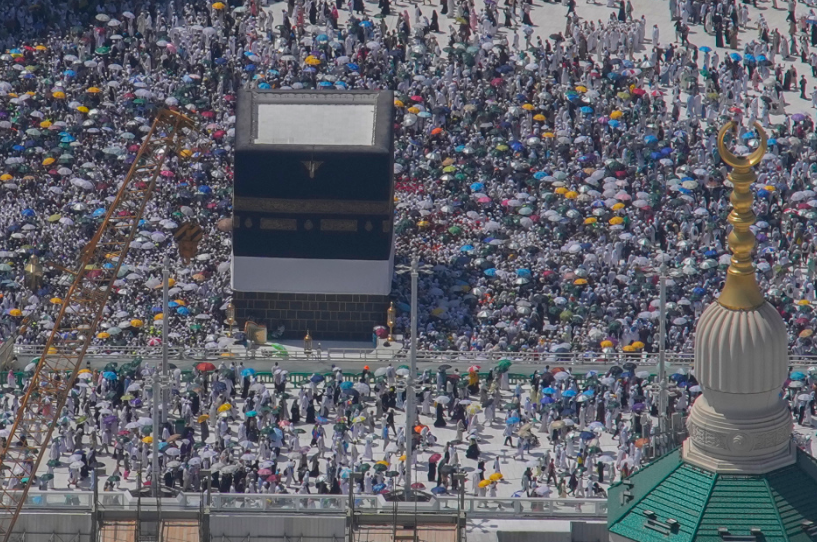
(741, 352)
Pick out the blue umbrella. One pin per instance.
(264, 86)
(613, 123)
(466, 248)
(204, 189)
(183, 311)
(547, 400)
(28, 213)
(735, 56)
(249, 371)
(512, 420)
(587, 435)
(569, 393)
(586, 110)
(763, 193)
(316, 378)
(549, 391)
(797, 375)
(321, 419)
(109, 375)
(70, 73)
(698, 291)
(249, 67)
(365, 24)
(711, 253)
(516, 146)
(380, 487)
(539, 175)
(490, 272)
(523, 273)
(352, 66)
(347, 385)
(163, 446)
(322, 38)
(650, 139)
(439, 490)
(705, 49)
(172, 305)
(251, 414)
(589, 393)
(325, 84)
(98, 213)
(477, 186)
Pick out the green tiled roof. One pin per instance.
(672, 501)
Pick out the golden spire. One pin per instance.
(741, 291)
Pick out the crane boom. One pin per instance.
(78, 318)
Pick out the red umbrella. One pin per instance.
(205, 366)
(273, 478)
(418, 485)
(417, 98)
(434, 458)
(264, 472)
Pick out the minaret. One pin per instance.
(739, 476)
(740, 424)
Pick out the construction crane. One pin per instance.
(79, 316)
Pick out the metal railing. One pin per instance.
(77, 501)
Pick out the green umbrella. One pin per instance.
(380, 467)
(363, 467)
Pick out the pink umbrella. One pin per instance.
(484, 199)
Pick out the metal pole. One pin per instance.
(165, 315)
(154, 464)
(351, 511)
(410, 395)
(662, 343)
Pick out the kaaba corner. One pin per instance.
(313, 210)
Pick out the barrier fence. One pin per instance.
(78, 502)
(400, 356)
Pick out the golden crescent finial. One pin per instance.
(741, 291)
(741, 162)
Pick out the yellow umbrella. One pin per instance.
(638, 345)
(606, 344)
(413, 110)
(5, 177)
(82, 109)
(148, 440)
(804, 302)
(580, 282)
(572, 194)
(103, 335)
(158, 317)
(60, 95)
(398, 103)
(83, 371)
(423, 224)
(41, 47)
(539, 117)
(15, 312)
(548, 135)
(94, 90)
(203, 417)
(219, 5)
(312, 61)
(198, 277)
(51, 351)
(591, 220)
(136, 322)
(225, 407)
(528, 107)
(45, 124)
(484, 483)
(403, 457)
(581, 88)
(181, 302)
(769, 188)
(616, 220)
(384, 463)
(561, 190)
(185, 153)
(616, 115)
(495, 477)
(617, 206)
(628, 348)
(56, 301)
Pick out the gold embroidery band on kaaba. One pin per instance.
(312, 206)
(280, 224)
(335, 224)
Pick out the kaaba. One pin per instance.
(313, 209)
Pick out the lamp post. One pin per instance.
(165, 311)
(308, 344)
(662, 344)
(415, 271)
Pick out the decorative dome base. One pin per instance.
(729, 445)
